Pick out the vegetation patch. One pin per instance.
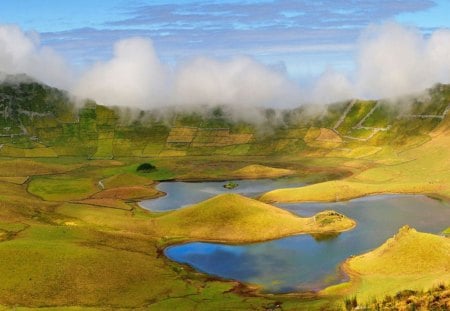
(145, 168)
(128, 193)
(231, 185)
(62, 188)
(446, 232)
(15, 180)
(124, 180)
(437, 298)
(161, 173)
(106, 202)
(328, 135)
(22, 167)
(356, 113)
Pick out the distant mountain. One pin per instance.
(39, 121)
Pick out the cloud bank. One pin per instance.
(133, 77)
(240, 81)
(22, 53)
(136, 77)
(391, 60)
(394, 60)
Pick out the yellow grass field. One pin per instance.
(410, 260)
(261, 171)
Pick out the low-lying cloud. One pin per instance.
(240, 81)
(22, 53)
(395, 60)
(134, 77)
(391, 60)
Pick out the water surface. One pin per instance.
(305, 262)
(181, 194)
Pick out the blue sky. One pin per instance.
(304, 37)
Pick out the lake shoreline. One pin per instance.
(348, 273)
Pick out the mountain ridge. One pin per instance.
(38, 121)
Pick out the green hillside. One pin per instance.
(72, 236)
(40, 121)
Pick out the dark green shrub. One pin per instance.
(146, 168)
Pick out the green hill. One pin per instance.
(39, 121)
(232, 217)
(410, 260)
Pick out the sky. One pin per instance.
(309, 42)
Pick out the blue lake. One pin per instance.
(305, 262)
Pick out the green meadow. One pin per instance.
(72, 236)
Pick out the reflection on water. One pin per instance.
(321, 237)
(181, 194)
(308, 262)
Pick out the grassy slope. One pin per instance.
(128, 193)
(63, 188)
(75, 265)
(117, 229)
(423, 169)
(342, 190)
(91, 256)
(22, 167)
(126, 179)
(410, 260)
(101, 234)
(234, 218)
(100, 238)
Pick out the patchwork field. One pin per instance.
(92, 240)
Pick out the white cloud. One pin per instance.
(331, 86)
(240, 82)
(394, 60)
(391, 60)
(21, 53)
(134, 77)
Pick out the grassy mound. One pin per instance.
(261, 171)
(232, 217)
(408, 252)
(410, 260)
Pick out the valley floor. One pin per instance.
(72, 235)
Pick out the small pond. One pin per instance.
(181, 194)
